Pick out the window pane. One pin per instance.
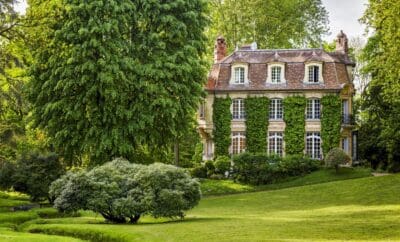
(239, 75)
(238, 142)
(313, 109)
(276, 109)
(238, 111)
(275, 143)
(313, 74)
(313, 145)
(317, 109)
(276, 74)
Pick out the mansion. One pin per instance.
(278, 74)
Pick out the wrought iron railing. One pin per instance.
(348, 119)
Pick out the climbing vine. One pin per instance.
(256, 123)
(295, 124)
(330, 122)
(222, 125)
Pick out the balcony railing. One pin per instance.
(348, 119)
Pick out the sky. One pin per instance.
(343, 15)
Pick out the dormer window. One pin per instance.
(239, 74)
(313, 73)
(276, 73)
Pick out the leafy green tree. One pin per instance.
(380, 102)
(272, 24)
(116, 75)
(336, 157)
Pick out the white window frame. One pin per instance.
(238, 142)
(233, 79)
(275, 148)
(314, 115)
(274, 111)
(307, 73)
(282, 74)
(241, 112)
(316, 151)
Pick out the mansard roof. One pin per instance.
(335, 71)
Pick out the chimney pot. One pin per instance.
(219, 49)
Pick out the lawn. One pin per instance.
(364, 209)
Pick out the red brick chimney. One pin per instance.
(219, 49)
(342, 43)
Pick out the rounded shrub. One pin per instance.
(209, 165)
(222, 164)
(119, 190)
(199, 172)
(336, 157)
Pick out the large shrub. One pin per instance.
(34, 173)
(222, 164)
(7, 170)
(119, 190)
(336, 157)
(261, 168)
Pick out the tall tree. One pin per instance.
(381, 102)
(272, 23)
(118, 74)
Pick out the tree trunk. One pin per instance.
(134, 219)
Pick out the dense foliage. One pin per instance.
(336, 157)
(380, 101)
(256, 123)
(330, 122)
(31, 174)
(295, 124)
(124, 74)
(261, 168)
(222, 125)
(119, 190)
(303, 21)
(222, 164)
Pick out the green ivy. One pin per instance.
(222, 125)
(330, 122)
(256, 123)
(295, 124)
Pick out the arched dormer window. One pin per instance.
(276, 73)
(239, 74)
(313, 73)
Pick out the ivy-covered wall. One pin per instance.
(295, 124)
(256, 124)
(222, 125)
(330, 122)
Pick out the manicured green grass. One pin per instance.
(12, 236)
(366, 209)
(221, 187)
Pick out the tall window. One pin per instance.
(313, 109)
(276, 74)
(346, 145)
(239, 75)
(313, 145)
(313, 74)
(276, 109)
(238, 142)
(202, 110)
(275, 143)
(238, 109)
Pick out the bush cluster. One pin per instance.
(31, 174)
(213, 169)
(119, 190)
(261, 168)
(336, 157)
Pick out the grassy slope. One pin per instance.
(366, 209)
(214, 187)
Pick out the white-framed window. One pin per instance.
(313, 73)
(276, 109)
(313, 108)
(275, 143)
(313, 145)
(238, 111)
(238, 142)
(276, 73)
(239, 74)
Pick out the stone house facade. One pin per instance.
(277, 74)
